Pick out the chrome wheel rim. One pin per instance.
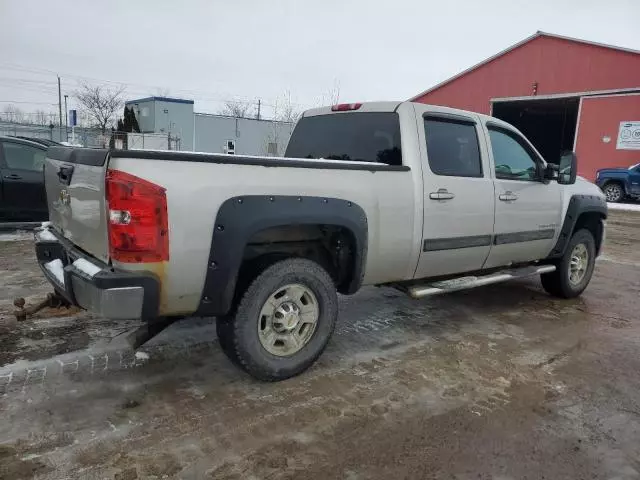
(612, 192)
(579, 263)
(288, 320)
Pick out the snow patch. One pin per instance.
(627, 207)
(86, 267)
(45, 224)
(142, 356)
(47, 236)
(16, 236)
(56, 268)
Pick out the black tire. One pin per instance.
(224, 329)
(224, 324)
(238, 333)
(614, 192)
(558, 283)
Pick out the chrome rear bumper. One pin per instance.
(93, 285)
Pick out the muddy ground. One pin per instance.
(502, 382)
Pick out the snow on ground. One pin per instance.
(20, 235)
(628, 207)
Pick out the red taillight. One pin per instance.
(137, 219)
(345, 107)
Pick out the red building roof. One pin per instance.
(541, 64)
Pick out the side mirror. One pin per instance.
(568, 168)
(550, 172)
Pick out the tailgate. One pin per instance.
(75, 183)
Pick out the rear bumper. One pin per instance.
(93, 285)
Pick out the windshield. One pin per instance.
(633, 167)
(362, 137)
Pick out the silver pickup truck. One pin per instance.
(421, 198)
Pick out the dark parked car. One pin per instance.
(22, 194)
(619, 183)
(44, 141)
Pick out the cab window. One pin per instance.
(512, 158)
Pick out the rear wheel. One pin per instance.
(614, 192)
(574, 269)
(283, 321)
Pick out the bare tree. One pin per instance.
(285, 110)
(331, 96)
(162, 92)
(236, 109)
(100, 103)
(42, 118)
(13, 114)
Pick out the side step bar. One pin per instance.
(463, 283)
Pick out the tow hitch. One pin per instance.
(52, 300)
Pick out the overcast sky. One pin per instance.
(211, 50)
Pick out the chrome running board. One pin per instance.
(463, 283)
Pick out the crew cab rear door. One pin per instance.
(458, 193)
(528, 208)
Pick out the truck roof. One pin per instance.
(390, 106)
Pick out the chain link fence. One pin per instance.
(93, 137)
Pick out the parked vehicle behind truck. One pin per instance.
(421, 198)
(22, 191)
(619, 183)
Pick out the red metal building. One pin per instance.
(563, 93)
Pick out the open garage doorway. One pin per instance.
(550, 124)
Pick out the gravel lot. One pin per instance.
(502, 382)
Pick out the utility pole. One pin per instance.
(66, 119)
(258, 116)
(60, 105)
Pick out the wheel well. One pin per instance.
(331, 246)
(591, 221)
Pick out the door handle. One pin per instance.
(13, 176)
(441, 194)
(508, 196)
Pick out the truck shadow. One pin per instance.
(371, 323)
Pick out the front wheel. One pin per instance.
(283, 321)
(575, 268)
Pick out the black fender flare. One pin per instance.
(239, 218)
(578, 204)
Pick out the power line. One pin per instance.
(30, 103)
(202, 95)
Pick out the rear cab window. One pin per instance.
(354, 136)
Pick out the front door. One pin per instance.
(22, 169)
(458, 195)
(634, 180)
(528, 209)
